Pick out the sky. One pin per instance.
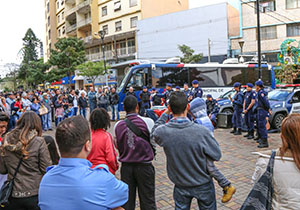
(16, 16)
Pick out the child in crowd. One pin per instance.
(59, 114)
(70, 111)
(199, 113)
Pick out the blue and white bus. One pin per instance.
(214, 78)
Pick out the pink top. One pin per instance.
(103, 151)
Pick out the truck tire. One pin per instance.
(227, 110)
(277, 120)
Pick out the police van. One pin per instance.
(285, 99)
(214, 78)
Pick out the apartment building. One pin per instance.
(55, 24)
(279, 19)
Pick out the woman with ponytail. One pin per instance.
(25, 142)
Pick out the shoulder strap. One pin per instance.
(17, 169)
(138, 132)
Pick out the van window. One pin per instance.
(207, 77)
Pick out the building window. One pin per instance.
(58, 19)
(49, 21)
(62, 15)
(119, 26)
(293, 29)
(59, 32)
(63, 30)
(133, 22)
(104, 11)
(57, 5)
(117, 6)
(48, 7)
(132, 3)
(49, 34)
(131, 46)
(105, 29)
(268, 32)
(291, 4)
(62, 2)
(267, 6)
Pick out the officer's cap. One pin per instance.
(250, 85)
(237, 84)
(259, 83)
(209, 96)
(195, 82)
(169, 85)
(177, 87)
(153, 89)
(144, 87)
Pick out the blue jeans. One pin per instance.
(83, 112)
(46, 121)
(75, 110)
(205, 195)
(216, 174)
(58, 120)
(12, 122)
(115, 108)
(92, 107)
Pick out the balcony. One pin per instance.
(70, 1)
(83, 4)
(71, 28)
(124, 52)
(84, 22)
(70, 11)
(87, 39)
(99, 56)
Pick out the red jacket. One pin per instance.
(103, 151)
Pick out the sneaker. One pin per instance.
(247, 135)
(228, 193)
(263, 145)
(238, 132)
(233, 130)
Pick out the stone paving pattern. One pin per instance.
(237, 164)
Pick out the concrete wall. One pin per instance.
(152, 8)
(159, 37)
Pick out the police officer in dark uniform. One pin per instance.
(248, 110)
(186, 90)
(145, 100)
(238, 102)
(262, 110)
(167, 94)
(210, 104)
(196, 91)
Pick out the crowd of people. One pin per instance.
(76, 170)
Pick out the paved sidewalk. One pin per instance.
(237, 164)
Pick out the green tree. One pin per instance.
(68, 54)
(13, 70)
(188, 54)
(37, 72)
(29, 53)
(92, 70)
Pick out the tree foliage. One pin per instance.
(92, 70)
(188, 54)
(37, 72)
(13, 70)
(29, 53)
(68, 54)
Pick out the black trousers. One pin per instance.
(139, 177)
(30, 203)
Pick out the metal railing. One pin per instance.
(70, 11)
(99, 56)
(87, 39)
(71, 28)
(84, 22)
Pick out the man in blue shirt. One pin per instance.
(72, 184)
(238, 102)
(248, 110)
(196, 91)
(92, 99)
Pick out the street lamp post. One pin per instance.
(258, 39)
(102, 35)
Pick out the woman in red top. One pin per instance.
(103, 151)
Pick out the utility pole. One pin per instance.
(258, 39)
(209, 43)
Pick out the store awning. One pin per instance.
(78, 78)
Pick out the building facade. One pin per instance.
(202, 28)
(279, 19)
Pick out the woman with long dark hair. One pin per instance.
(25, 142)
(286, 172)
(103, 151)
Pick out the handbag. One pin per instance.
(6, 189)
(260, 197)
(43, 110)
